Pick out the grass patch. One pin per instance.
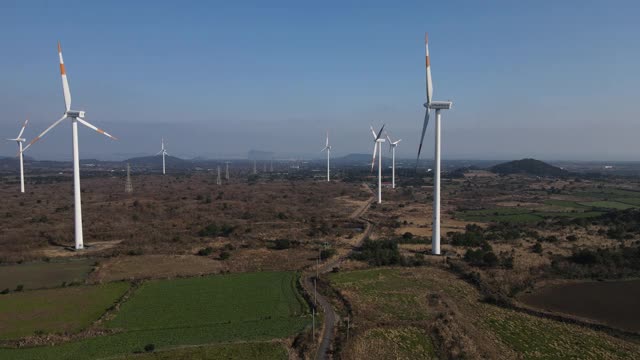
(259, 350)
(395, 343)
(56, 310)
(210, 300)
(565, 203)
(538, 338)
(39, 275)
(188, 312)
(608, 205)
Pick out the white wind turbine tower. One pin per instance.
(226, 175)
(19, 139)
(163, 152)
(328, 148)
(218, 179)
(392, 148)
(75, 117)
(377, 146)
(437, 106)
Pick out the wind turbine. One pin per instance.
(20, 140)
(437, 106)
(377, 146)
(163, 152)
(75, 117)
(328, 148)
(392, 148)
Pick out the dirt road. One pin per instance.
(330, 316)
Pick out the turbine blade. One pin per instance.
(375, 148)
(398, 141)
(424, 129)
(327, 139)
(22, 130)
(380, 133)
(65, 82)
(44, 132)
(373, 131)
(325, 148)
(85, 123)
(428, 66)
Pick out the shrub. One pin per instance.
(537, 248)
(327, 253)
(214, 230)
(5, 291)
(149, 348)
(225, 255)
(205, 252)
(282, 244)
(19, 288)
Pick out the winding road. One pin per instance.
(330, 316)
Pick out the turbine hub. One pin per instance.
(75, 114)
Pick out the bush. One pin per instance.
(205, 252)
(281, 244)
(225, 255)
(4, 292)
(379, 253)
(19, 288)
(214, 230)
(537, 248)
(149, 348)
(327, 253)
(481, 258)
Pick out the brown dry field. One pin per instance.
(154, 232)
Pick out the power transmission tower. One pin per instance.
(128, 187)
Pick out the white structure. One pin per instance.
(75, 117)
(328, 148)
(392, 148)
(163, 152)
(19, 139)
(377, 146)
(219, 178)
(226, 175)
(128, 186)
(437, 106)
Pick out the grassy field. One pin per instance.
(495, 332)
(564, 203)
(608, 205)
(195, 311)
(38, 275)
(55, 310)
(239, 351)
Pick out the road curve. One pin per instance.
(330, 316)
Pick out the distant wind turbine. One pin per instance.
(75, 117)
(19, 139)
(163, 152)
(377, 146)
(392, 148)
(437, 106)
(328, 148)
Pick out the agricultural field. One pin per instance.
(239, 351)
(62, 310)
(167, 314)
(460, 321)
(49, 274)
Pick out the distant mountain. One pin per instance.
(528, 167)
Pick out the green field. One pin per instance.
(524, 215)
(240, 351)
(40, 275)
(55, 310)
(195, 311)
(608, 205)
(564, 203)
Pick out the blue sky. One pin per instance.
(545, 79)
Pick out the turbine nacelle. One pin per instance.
(75, 114)
(439, 105)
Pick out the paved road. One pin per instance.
(330, 317)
